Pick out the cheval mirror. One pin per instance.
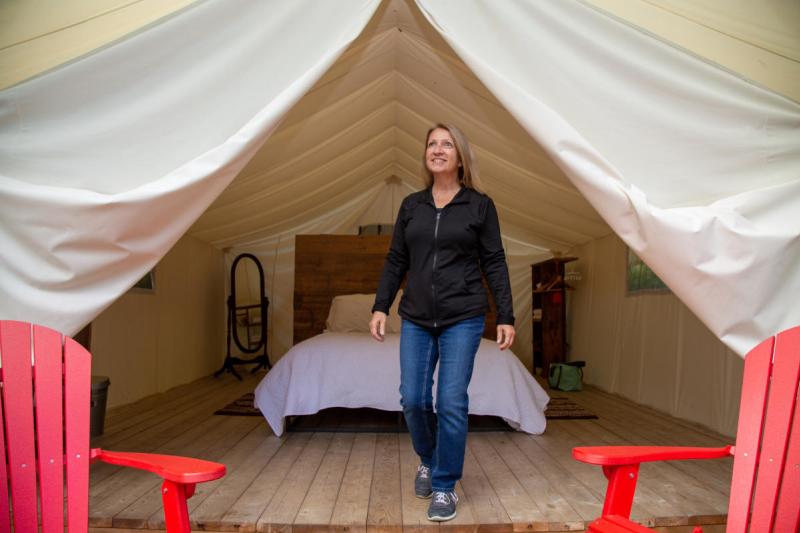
(247, 315)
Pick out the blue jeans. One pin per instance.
(440, 440)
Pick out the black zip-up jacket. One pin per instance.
(443, 253)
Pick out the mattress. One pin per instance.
(353, 370)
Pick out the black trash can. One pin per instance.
(97, 414)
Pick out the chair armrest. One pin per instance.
(621, 468)
(184, 470)
(627, 455)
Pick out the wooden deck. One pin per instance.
(364, 481)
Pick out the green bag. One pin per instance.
(566, 376)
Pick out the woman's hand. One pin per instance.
(377, 326)
(505, 335)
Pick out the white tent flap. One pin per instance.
(106, 162)
(696, 169)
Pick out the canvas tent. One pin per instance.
(246, 124)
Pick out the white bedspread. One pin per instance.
(353, 370)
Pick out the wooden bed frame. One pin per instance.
(331, 265)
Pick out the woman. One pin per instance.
(444, 236)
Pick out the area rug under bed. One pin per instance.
(365, 420)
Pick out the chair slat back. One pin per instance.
(5, 518)
(778, 423)
(757, 368)
(15, 350)
(77, 398)
(765, 489)
(787, 516)
(47, 374)
(34, 361)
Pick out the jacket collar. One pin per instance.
(461, 197)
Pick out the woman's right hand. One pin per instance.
(377, 326)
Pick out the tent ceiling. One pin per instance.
(363, 123)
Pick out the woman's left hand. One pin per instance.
(505, 335)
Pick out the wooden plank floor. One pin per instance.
(307, 482)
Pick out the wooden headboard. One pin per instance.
(330, 265)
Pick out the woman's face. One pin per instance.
(441, 155)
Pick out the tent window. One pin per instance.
(640, 279)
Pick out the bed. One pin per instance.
(342, 366)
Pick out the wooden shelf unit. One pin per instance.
(549, 312)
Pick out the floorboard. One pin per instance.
(363, 482)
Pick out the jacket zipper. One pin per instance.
(435, 256)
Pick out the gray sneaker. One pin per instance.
(422, 483)
(443, 506)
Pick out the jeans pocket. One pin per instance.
(474, 324)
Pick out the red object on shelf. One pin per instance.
(765, 489)
(60, 381)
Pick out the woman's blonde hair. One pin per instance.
(467, 171)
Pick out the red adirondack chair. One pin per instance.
(44, 406)
(765, 489)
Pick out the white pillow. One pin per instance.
(351, 313)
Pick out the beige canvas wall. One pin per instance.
(649, 348)
(150, 342)
(758, 40)
(40, 35)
